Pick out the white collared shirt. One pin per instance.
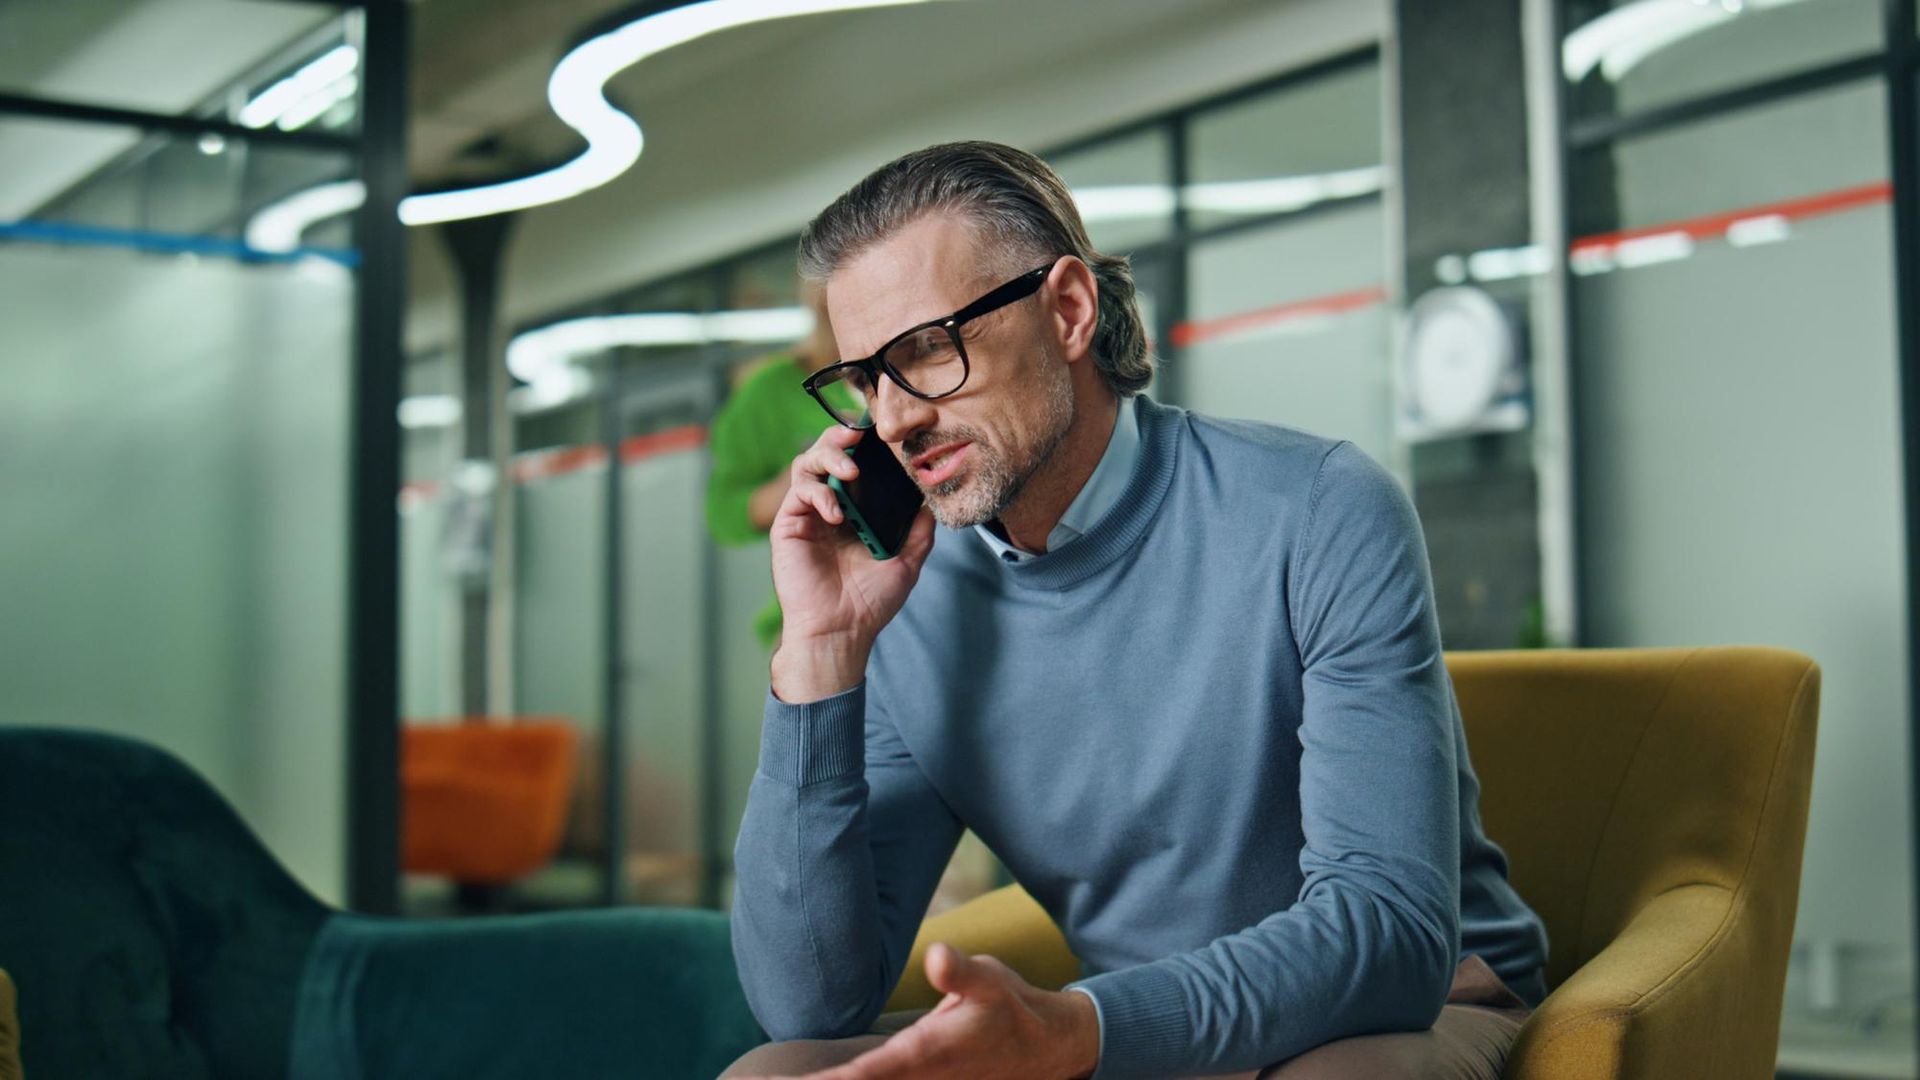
(1097, 495)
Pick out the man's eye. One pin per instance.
(918, 347)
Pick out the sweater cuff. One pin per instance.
(820, 740)
(1144, 1026)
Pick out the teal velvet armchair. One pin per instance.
(151, 935)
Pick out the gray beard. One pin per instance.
(993, 483)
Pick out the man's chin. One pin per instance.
(954, 507)
(956, 517)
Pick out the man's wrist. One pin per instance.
(1083, 1032)
(814, 669)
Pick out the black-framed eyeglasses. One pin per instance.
(928, 361)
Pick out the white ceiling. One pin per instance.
(746, 129)
(156, 55)
(480, 69)
(751, 131)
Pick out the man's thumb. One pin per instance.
(951, 971)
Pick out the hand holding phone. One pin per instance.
(882, 501)
(836, 594)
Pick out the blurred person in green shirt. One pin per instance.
(766, 421)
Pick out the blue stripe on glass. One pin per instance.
(53, 232)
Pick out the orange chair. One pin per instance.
(484, 803)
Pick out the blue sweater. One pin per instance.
(1213, 737)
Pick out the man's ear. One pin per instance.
(1075, 307)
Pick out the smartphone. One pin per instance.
(882, 501)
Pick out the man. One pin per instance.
(1183, 675)
(753, 440)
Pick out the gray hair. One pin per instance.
(1017, 201)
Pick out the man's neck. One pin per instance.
(1053, 487)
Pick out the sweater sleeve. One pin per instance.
(1369, 944)
(841, 846)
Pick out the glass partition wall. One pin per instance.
(1737, 387)
(183, 401)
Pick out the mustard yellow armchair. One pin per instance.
(1653, 804)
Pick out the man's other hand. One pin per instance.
(991, 1024)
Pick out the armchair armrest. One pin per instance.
(1674, 994)
(9, 1032)
(627, 991)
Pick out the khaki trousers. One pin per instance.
(1469, 1041)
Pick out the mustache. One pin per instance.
(922, 441)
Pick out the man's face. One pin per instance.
(972, 452)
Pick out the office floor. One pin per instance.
(1870, 1046)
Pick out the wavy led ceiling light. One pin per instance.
(577, 92)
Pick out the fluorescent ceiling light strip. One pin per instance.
(1119, 202)
(552, 389)
(310, 108)
(543, 358)
(576, 91)
(1111, 202)
(429, 410)
(1618, 41)
(1505, 264)
(762, 325)
(1648, 250)
(1766, 229)
(1283, 192)
(1595, 259)
(336, 63)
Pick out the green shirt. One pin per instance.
(763, 425)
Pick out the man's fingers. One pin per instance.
(903, 1057)
(939, 964)
(834, 443)
(809, 496)
(820, 462)
(842, 436)
(951, 971)
(825, 501)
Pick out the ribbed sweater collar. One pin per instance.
(1127, 521)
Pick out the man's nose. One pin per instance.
(898, 414)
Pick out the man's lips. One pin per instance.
(939, 463)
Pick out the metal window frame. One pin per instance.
(373, 526)
(170, 123)
(1902, 62)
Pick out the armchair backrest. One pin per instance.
(149, 933)
(1611, 776)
